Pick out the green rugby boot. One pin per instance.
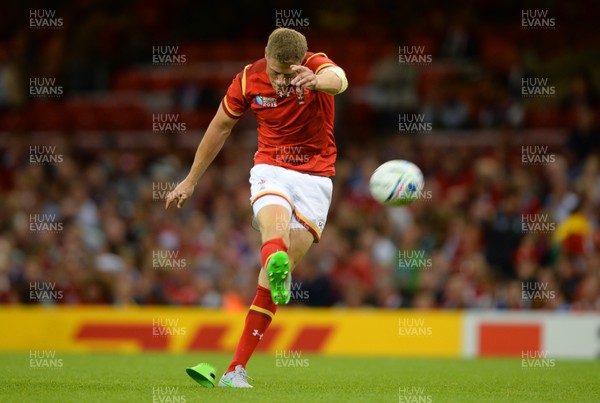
(280, 277)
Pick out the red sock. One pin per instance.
(270, 247)
(258, 319)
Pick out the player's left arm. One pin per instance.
(330, 80)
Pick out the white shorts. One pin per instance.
(306, 196)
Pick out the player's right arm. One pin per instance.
(217, 132)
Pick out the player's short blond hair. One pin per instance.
(286, 46)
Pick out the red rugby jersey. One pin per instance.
(294, 135)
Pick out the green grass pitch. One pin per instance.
(162, 378)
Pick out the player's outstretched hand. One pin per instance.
(305, 78)
(180, 194)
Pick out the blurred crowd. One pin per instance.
(89, 222)
(463, 245)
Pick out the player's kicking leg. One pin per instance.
(274, 224)
(263, 308)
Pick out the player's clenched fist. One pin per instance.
(180, 194)
(305, 78)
